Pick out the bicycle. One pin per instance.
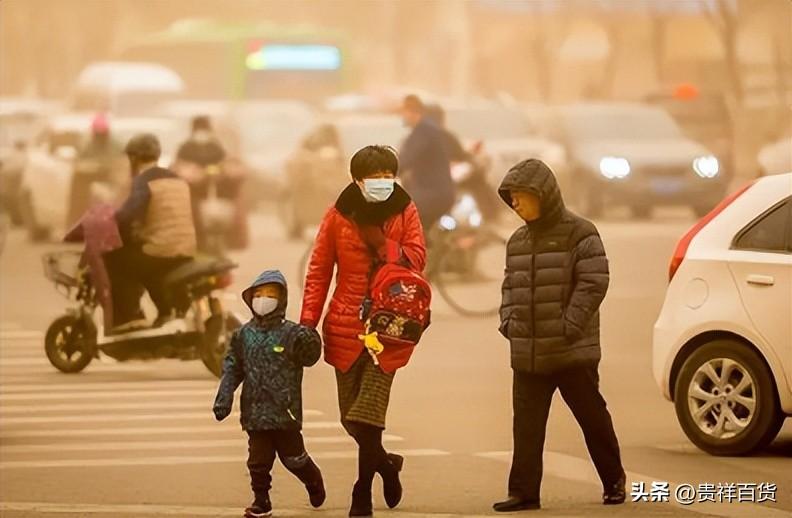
(461, 261)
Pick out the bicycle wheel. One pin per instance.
(467, 274)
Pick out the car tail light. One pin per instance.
(684, 243)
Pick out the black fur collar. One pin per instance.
(354, 206)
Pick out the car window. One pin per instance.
(619, 123)
(769, 233)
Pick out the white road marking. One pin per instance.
(22, 346)
(6, 410)
(569, 467)
(224, 427)
(177, 510)
(83, 386)
(100, 418)
(19, 334)
(176, 461)
(25, 362)
(239, 442)
(4, 397)
(46, 369)
(8, 326)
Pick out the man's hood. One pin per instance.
(535, 176)
(269, 277)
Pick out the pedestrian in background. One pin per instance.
(373, 222)
(556, 278)
(267, 356)
(426, 165)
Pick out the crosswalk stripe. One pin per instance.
(19, 334)
(87, 386)
(24, 362)
(178, 510)
(106, 395)
(45, 368)
(20, 354)
(6, 410)
(175, 460)
(224, 427)
(23, 345)
(167, 445)
(94, 418)
(9, 326)
(99, 432)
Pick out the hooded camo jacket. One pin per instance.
(267, 356)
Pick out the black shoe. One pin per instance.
(316, 493)
(261, 508)
(391, 485)
(616, 493)
(361, 501)
(514, 504)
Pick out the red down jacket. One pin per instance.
(339, 242)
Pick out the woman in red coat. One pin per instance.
(373, 221)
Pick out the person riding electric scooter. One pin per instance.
(156, 226)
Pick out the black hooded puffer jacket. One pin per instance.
(556, 278)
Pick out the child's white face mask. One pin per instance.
(263, 306)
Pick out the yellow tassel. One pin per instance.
(372, 343)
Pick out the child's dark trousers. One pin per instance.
(289, 446)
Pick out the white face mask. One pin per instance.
(377, 190)
(263, 306)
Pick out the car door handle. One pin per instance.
(761, 280)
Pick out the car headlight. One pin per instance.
(448, 223)
(614, 168)
(706, 166)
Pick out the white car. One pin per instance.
(776, 157)
(128, 89)
(634, 154)
(723, 341)
(507, 134)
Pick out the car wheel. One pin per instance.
(726, 400)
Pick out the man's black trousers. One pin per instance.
(131, 270)
(532, 395)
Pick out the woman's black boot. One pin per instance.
(391, 485)
(361, 500)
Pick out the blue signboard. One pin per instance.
(294, 57)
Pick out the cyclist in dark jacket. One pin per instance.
(267, 356)
(556, 279)
(426, 164)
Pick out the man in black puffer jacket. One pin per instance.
(556, 278)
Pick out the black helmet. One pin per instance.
(143, 147)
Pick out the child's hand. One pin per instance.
(221, 412)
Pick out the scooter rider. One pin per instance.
(157, 229)
(197, 156)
